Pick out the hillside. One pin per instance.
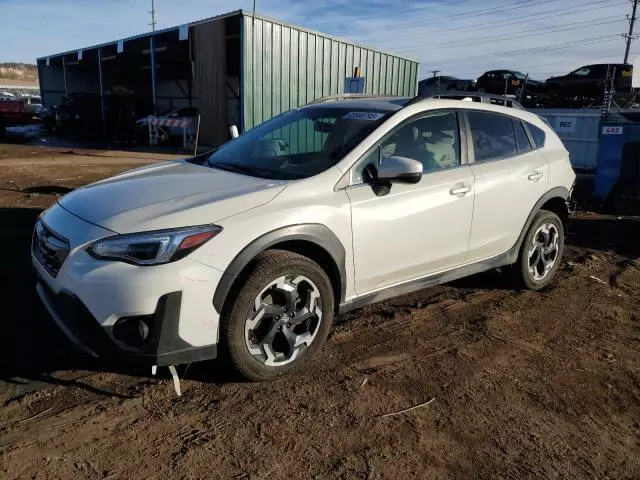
(18, 73)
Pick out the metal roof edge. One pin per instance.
(104, 44)
(145, 34)
(243, 12)
(249, 13)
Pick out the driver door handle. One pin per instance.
(462, 190)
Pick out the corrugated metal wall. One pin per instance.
(582, 142)
(285, 67)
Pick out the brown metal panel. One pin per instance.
(210, 81)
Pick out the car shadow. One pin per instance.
(33, 349)
(618, 234)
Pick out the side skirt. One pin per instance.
(507, 258)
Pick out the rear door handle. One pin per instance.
(460, 190)
(536, 176)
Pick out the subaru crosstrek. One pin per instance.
(249, 251)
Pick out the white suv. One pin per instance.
(249, 251)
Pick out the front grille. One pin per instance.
(49, 248)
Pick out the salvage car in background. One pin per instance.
(507, 82)
(432, 85)
(587, 84)
(12, 114)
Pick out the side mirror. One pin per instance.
(233, 130)
(400, 169)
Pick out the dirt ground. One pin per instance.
(524, 385)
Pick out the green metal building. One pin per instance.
(237, 68)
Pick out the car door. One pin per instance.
(412, 230)
(510, 177)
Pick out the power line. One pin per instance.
(530, 51)
(409, 10)
(476, 13)
(511, 36)
(508, 22)
(629, 36)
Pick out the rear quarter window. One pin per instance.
(538, 135)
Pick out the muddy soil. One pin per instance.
(524, 385)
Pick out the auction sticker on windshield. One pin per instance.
(363, 115)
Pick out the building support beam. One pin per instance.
(153, 72)
(102, 112)
(64, 75)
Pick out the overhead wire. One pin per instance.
(519, 35)
(533, 50)
(476, 13)
(409, 10)
(506, 22)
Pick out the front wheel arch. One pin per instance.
(314, 241)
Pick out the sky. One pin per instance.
(462, 38)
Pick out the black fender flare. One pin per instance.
(556, 192)
(314, 233)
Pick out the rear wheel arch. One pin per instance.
(555, 200)
(314, 241)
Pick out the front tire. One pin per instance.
(541, 251)
(279, 318)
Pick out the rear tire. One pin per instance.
(279, 318)
(541, 251)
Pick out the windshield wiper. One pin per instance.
(239, 168)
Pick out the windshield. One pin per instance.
(299, 143)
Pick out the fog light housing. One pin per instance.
(133, 331)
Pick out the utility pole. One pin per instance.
(630, 37)
(153, 16)
(435, 73)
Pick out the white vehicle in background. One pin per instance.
(249, 251)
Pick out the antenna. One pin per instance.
(153, 16)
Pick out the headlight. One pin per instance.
(153, 248)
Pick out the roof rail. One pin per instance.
(481, 97)
(349, 96)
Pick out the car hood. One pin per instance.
(167, 195)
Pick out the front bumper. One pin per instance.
(158, 315)
(163, 347)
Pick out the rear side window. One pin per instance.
(493, 136)
(538, 135)
(522, 139)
